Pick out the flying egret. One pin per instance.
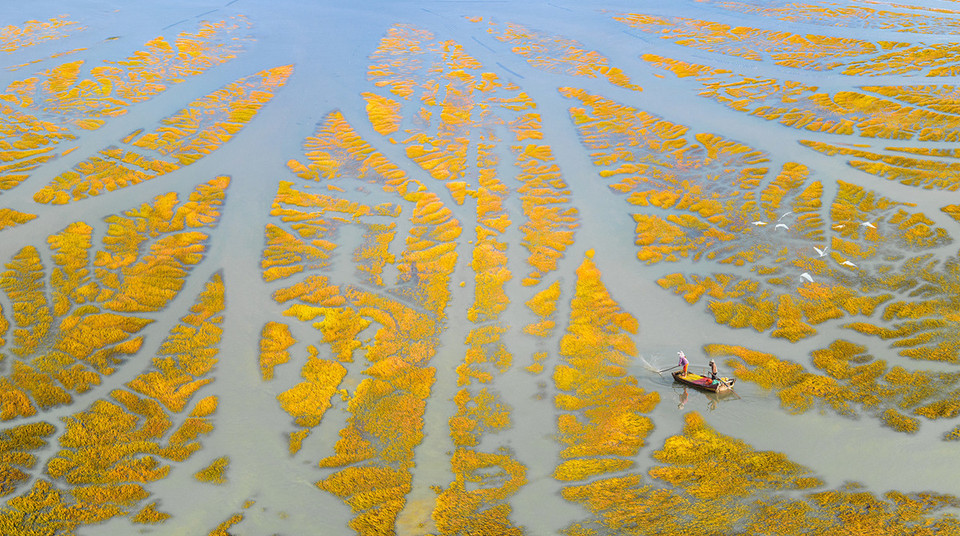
(806, 276)
(821, 252)
(758, 222)
(839, 226)
(779, 225)
(848, 263)
(868, 224)
(785, 214)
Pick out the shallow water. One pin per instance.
(331, 48)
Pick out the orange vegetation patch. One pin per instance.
(705, 200)
(393, 326)
(335, 150)
(27, 143)
(110, 452)
(34, 32)
(918, 19)
(810, 51)
(924, 173)
(659, 164)
(16, 445)
(465, 508)
(223, 528)
(543, 304)
(10, 217)
(186, 137)
(150, 515)
(558, 54)
(451, 106)
(493, 473)
(747, 491)
(851, 382)
(815, 52)
(707, 464)
(274, 341)
(78, 327)
(308, 400)
(601, 424)
(923, 113)
(480, 412)
(215, 473)
(112, 88)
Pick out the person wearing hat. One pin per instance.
(683, 362)
(713, 372)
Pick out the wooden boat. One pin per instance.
(704, 382)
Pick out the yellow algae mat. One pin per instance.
(416, 269)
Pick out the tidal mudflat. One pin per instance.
(422, 267)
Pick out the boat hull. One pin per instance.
(704, 383)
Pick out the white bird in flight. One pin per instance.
(806, 276)
(785, 214)
(868, 224)
(848, 263)
(758, 222)
(821, 252)
(779, 225)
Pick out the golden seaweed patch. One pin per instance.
(543, 304)
(851, 382)
(308, 400)
(17, 444)
(558, 54)
(111, 451)
(34, 32)
(27, 143)
(10, 217)
(707, 464)
(150, 515)
(925, 173)
(36, 113)
(601, 424)
(747, 490)
(809, 265)
(196, 131)
(783, 48)
(215, 473)
(922, 113)
(481, 413)
(222, 528)
(919, 19)
(77, 324)
(459, 98)
(275, 339)
(392, 326)
(112, 88)
(466, 105)
(465, 508)
(813, 52)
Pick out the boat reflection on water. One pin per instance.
(713, 399)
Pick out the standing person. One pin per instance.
(713, 370)
(683, 362)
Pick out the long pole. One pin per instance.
(666, 369)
